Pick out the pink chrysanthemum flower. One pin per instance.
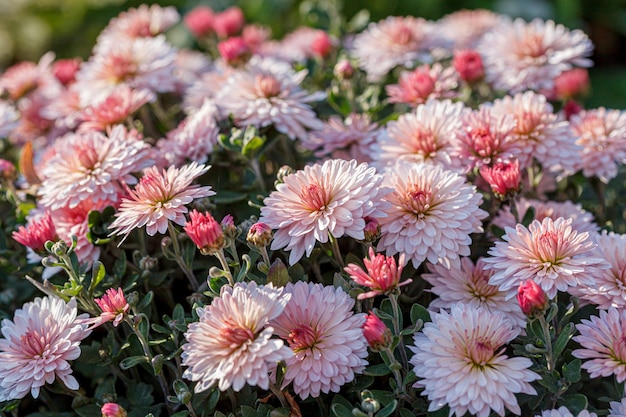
(468, 284)
(538, 132)
(116, 108)
(465, 28)
(231, 343)
(38, 344)
(423, 83)
(564, 412)
(602, 135)
(618, 408)
(37, 232)
(332, 198)
(425, 135)
(113, 305)
(603, 344)
(65, 70)
(485, 138)
(459, 361)
(325, 336)
(381, 274)
(344, 139)
(549, 252)
(194, 139)
(25, 77)
(9, 118)
(582, 220)
(160, 197)
(299, 45)
(529, 55)
(269, 93)
(208, 87)
(205, 232)
(609, 287)
(190, 66)
(431, 215)
(92, 166)
(503, 177)
(199, 21)
(394, 41)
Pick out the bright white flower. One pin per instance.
(325, 336)
(38, 344)
(332, 198)
(564, 412)
(603, 344)
(231, 344)
(469, 284)
(529, 55)
(459, 361)
(431, 215)
(549, 252)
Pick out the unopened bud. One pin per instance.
(283, 172)
(371, 230)
(532, 299)
(376, 332)
(343, 70)
(259, 235)
(112, 410)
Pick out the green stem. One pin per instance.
(266, 257)
(550, 359)
(280, 395)
(220, 256)
(254, 164)
(396, 372)
(180, 260)
(396, 328)
(336, 252)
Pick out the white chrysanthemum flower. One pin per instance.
(538, 133)
(424, 135)
(38, 344)
(550, 252)
(459, 361)
(431, 215)
(268, 92)
(231, 344)
(603, 344)
(465, 28)
(564, 412)
(602, 135)
(325, 336)
(332, 198)
(469, 284)
(92, 166)
(524, 55)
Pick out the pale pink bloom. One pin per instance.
(255, 36)
(194, 139)
(423, 83)
(618, 408)
(25, 77)
(344, 139)
(38, 344)
(564, 412)
(9, 118)
(582, 220)
(602, 135)
(65, 110)
(34, 125)
(465, 28)
(208, 86)
(326, 199)
(325, 336)
(269, 93)
(549, 252)
(503, 177)
(484, 138)
(189, 68)
(376, 332)
(115, 108)
(424, 135)
(459, 361)
(205, 232)
(469, 65)
(160, 197)
(113, 305)
(199, 21)
(92, 166)
(65, 70)
(394, 41)
(228, 22)
(523, 55)
(538, 133)
(37, 232)
(381, 274)
(234, 50)
(431, 215)
(609, 286)
(468, 283)
(141, 22)
(603, 344)
(143, 63)
(113, 410)
(231, 345)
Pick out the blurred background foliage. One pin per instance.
(29, 28)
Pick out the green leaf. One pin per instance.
(388, 410)
(550, 381)
(145, 302)
(442, 412)
(377, 370)
(139, 394)
(119, 266)
(383, 397)
(529, 216)
(340, 410)
(97, 275)
(278, 274)
(251, 146)
(131, 361)
(419, 312)
(563, 339)
(247, 411)
(88, 410)
(574, 402)
(571, 371)
(228, 197)
(183, 413)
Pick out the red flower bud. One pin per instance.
(376, 333)
(532, 299)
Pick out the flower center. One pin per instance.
(314, 197)
(236, 336)
(121, 68)
(302, 338)
(267, 86)
(418, 201)
(480, 351)
(401, 34)
(484, 143)
(478, 285)
(532, 46)
(550, 246)
(419, 85)
(619, 349)
(424, 143)
(34, 344)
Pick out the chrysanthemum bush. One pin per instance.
(405, 218)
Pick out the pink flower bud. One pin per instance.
(234, 50)
(200, 21)
(65, 70)
(503, 177)
(112, 410)
(113, 305)
(228, 227)
(7, 170)
(205, 232)
(259, 235)
(570, 84)
(469, 65)
(376, 333)
(229, 22)
(343, 70)
(371, 230)
(322, 44)
(532, 299)
(571, 108)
